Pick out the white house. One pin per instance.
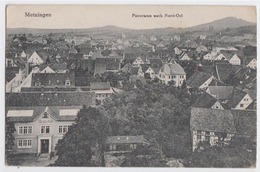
(209, 56)
(151, 72)
(252, 64)
(170, 72)
(177, 51)
(35, 59)
(39, 128)
(234, 60)
(184, 56)
(138, 61)
(219, 56)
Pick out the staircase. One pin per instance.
(43, 157)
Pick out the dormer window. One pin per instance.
(45, 115)
(67, 82)
(37, 83)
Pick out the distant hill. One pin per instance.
(229, 22)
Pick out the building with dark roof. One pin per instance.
(199, 80)
(123, 144)
(208, 101)
(211, 126)
(103, 65)
(70, 98)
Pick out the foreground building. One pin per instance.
(42, 118)
(220, 126)
(38, 129)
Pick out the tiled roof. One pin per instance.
(173, 69)
(236, 97)
(50, 99)
(156, 63)
(103, 64)
(205, 101)
(53, 111)
(125, 139)
(221, 92)
(99, 85)
(224, 70)
(53, 79)
(134, 70)
(197, 79)
(75, 55)
(49, 89)
(215, 120)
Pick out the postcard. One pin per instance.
(130, 85)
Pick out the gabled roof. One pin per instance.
(134, 70)
(197, 79)
(125, 139)
(205, 101)
(236, 97)
(145, 67)
(103, 64)
(251, 93)
(172, 69)
(53, 111)
(215, 120)
(223, 70)
(53, 79)
(99, 85)
(221, 92)
(75, 55)
(156, 62)
(43, 54)
(51, 99)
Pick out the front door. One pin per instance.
(45, 146)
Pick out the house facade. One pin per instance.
(211, 126)
(38, 129)
(235, 60)
(123, 144)
(252, 64)
(35, 59)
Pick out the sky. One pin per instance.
(87, 16)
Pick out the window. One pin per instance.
(241, 105)
(45, 115)
(67, 82)
(37, 83)
(245, 99)
(24, 143)
(63, 128)
(199, 135)
(25, 130)
(45, 129)
(207, 137)
(112, 147)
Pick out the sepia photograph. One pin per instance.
(126, 85)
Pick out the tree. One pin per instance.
(9, 139)
(83, 144)
(155, 111)
(241, 152)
